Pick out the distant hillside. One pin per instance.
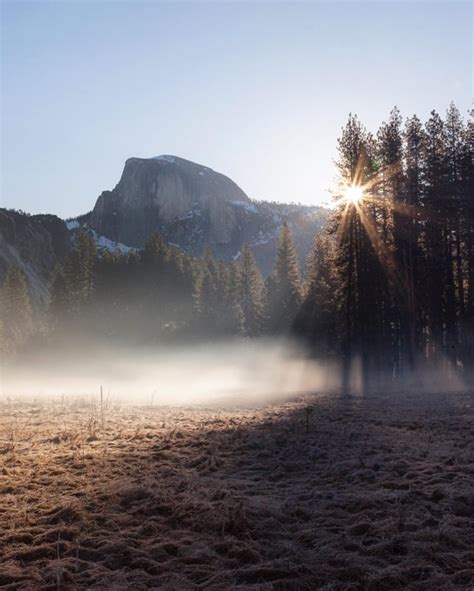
(34, 243)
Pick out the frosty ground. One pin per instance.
(364, 492)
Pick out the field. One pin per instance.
(322, 492)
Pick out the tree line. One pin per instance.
(152, 295)
(391, 285)
(388, 285)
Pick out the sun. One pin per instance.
(353, 194)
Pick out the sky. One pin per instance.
(257, 91)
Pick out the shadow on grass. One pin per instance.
(361, 493)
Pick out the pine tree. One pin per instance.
(111, 294)
(79, 270)
(286, 297)
(59, 296)
(414, 150)
(437, 243)
(316, 320)
(155, 250)
(205, 301)
(395, 295)
(235, 318)
(152, 314)
(222, 280)
(361, 256)
(211, 293)
(251, 286)
(16, 311)
(467, 184)
(455, 134)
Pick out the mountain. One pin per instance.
(192, 206)
(161, 191)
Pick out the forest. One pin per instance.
(389, 283)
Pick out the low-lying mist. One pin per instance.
(229, 373)
(239, 372)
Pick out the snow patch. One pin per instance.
(247, 206)
(107, 244)
(102, 242)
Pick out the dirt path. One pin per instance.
(377, 494)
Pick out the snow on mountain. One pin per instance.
(247, 206)
(102, 242)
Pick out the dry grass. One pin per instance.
(368, 493)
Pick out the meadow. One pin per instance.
(321, 492)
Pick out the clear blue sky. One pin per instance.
(258, 91)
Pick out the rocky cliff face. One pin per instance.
(192, 206)
(158, 191)
(34, 244)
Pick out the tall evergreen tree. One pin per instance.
(58, 296)
(211, 292)
(467, 188)
(251, 286)
(79, 270)
(234, 314)
(455, 134)
(437, 244)
(316, 320)
(353, 247)
(286, 296)
(16, 311)
(410, 251)
(396, 293)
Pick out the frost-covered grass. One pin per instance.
(372, 493)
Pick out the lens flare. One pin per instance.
(353, 194)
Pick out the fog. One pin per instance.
(239, 372)
(230, 373)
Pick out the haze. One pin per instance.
(258, 91)
(230, 373)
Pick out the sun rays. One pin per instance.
(353, 194)
(366, 203)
